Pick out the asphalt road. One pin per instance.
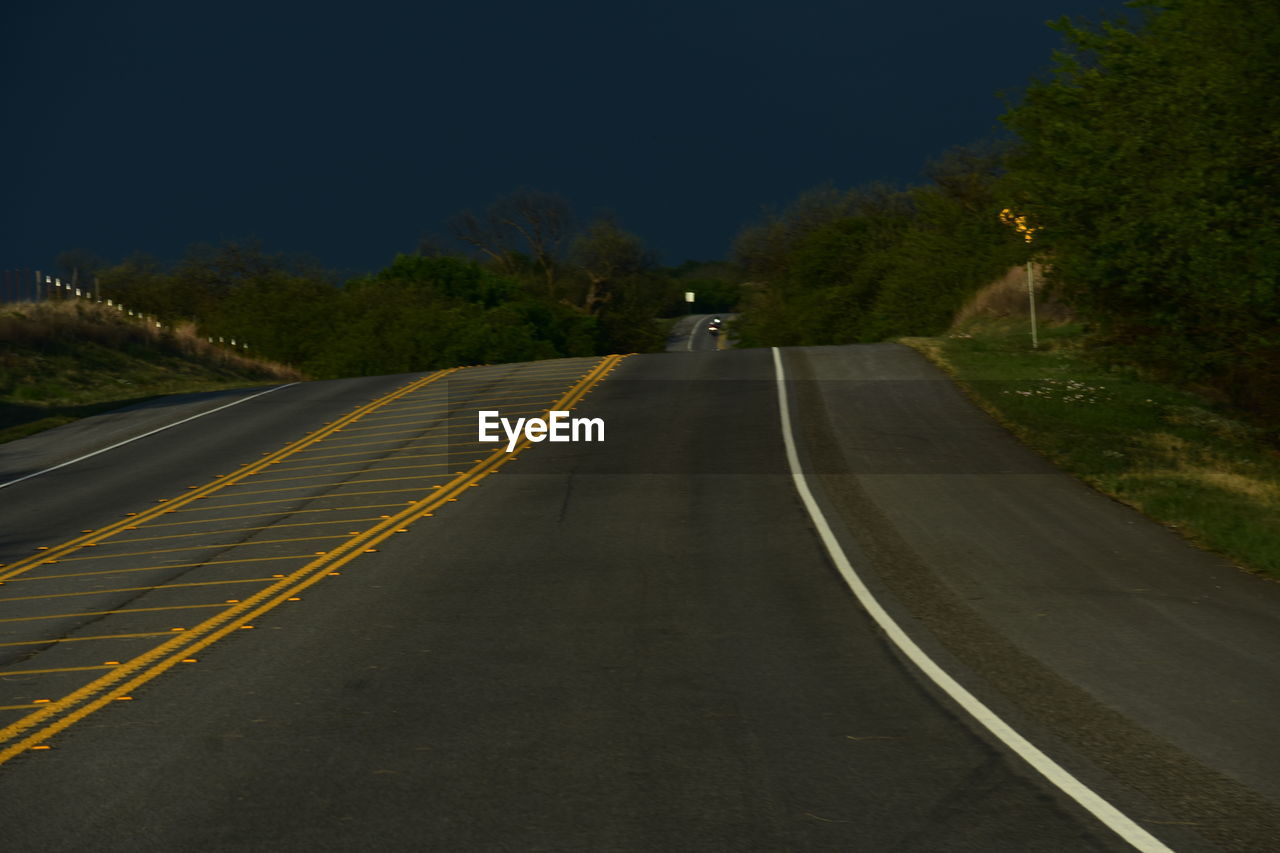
(689, 334)
(635, 645)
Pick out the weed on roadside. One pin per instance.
(1164, 450)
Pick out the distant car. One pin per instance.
(713, 329)
(715, 321)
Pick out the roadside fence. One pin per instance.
(33, 286)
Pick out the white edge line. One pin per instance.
(144, 435)
(1108, 814)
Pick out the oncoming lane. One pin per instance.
(691, 333)
(85, 621)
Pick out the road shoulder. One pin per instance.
(1065, 609)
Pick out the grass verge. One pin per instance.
(64, 361)
(1158, 448)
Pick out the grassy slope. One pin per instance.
(60, 362)
(1162, 450)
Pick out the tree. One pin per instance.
(761, 251)
(526, 221)
(1150, 162)
(818, 266)
(140, 283)
(606, 253)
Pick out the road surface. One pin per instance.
(689, 334)
(327, 618)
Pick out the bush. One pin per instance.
(1151, 164)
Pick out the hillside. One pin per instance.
(60, 361)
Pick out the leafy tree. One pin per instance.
(140, 283)
(286, 318)
(425, 313)
(825, 255)
(628, 322)
(1150, 161)
(876, 262)
(953, 244)
(762, 250)
(450, 279)
(605, 253)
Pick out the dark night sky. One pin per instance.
(347, 131)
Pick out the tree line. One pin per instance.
(875, 262)
(1147, 161)
(1150, 161)
(518, 281)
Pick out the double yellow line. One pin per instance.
(93, 537)
(116, 684)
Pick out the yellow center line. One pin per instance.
(464, 393)
(329, 445)
(452, 402)
(53, 670)
(87, 639)
(133, 540)
(161, 568)
(327, 509)
(486, 401)
(216, 530)
(559, 371)
(371, 424)
(199, 547)
(469, 417)
(28, 563)
(388, 430)
(325, 497)
(464, 383)
(418, 467)
(384, 447)
(112, 612)
(134, 589)
(424, 412)
(54, 717)
(239, 493)
(369, 455)
(364, 459)
(421, 406)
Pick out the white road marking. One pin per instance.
(1108, 814)
(144, 435)
(693, 331)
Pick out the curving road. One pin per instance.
(402, 639)
(689, 334)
